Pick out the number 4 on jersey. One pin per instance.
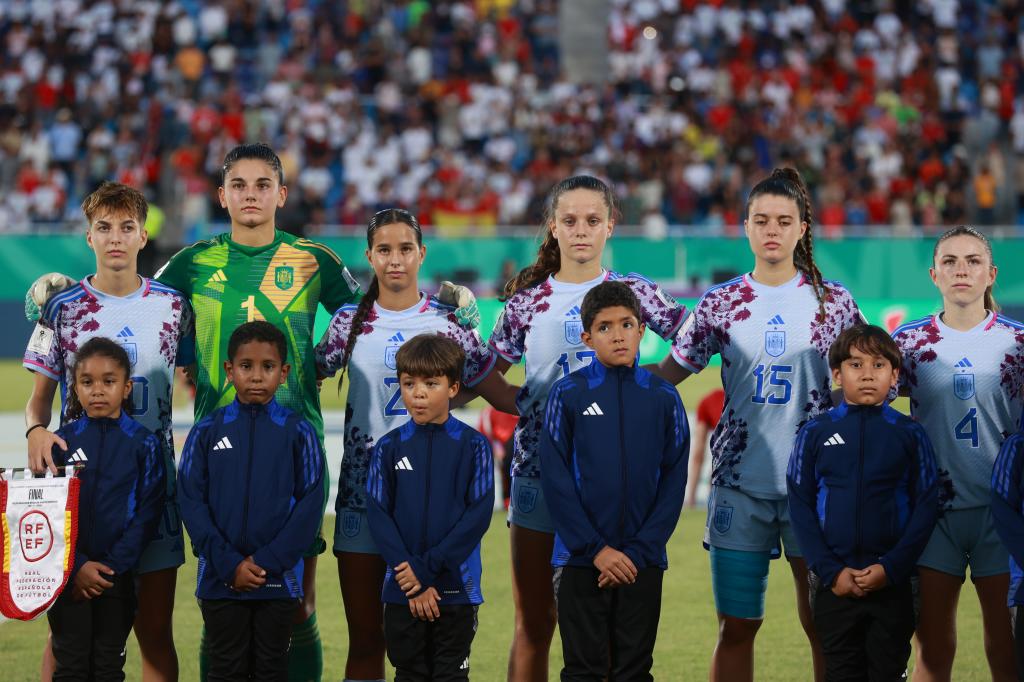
(967, 429)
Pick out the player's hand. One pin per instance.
(92, 578)
(40, 450)
(615, 567)
(406, 579)
(464, 301)
(872, 578)
(846, 586)
(42, 290)
(248, 576)
(424, 606)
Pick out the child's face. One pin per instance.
(256, 371)
(252, 193)
(101, 385)
(615, 336)
(865, 379)
(426, 398)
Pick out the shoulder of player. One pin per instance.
(160, 289)
(527, 298)
(718, 290)
(1008, 323)
(904, 329)
(321, 251)
(631, 278)
(51, 311)
(343, 315)
(836, 288)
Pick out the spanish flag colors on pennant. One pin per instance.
(40, 526)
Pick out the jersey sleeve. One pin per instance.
(337, 285)
(176, 272)
(697, 340)
(43, 354)
(330, 351)
(509, 336)
(663, 314)
(903, 380)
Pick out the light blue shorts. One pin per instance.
(352, 533)
(167, 548)
(527, 508)
(749, 524)
(962, 538)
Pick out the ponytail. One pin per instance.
(786, 182)
(388, 216)
(967, 231)
(549, 257)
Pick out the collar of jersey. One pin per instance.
(797, 280)
(420, 306)
(980, 327)
(138, 293)
(254, 250)
(568, 286)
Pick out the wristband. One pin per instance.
(33, 428)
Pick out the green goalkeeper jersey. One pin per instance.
(283, 283)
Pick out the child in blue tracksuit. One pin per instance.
(250, 486)
(430, 499)
(121, 499)
(863, 499)
(1008, 516)
(614, 453)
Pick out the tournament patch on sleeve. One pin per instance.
(349, 279)
(42, 340)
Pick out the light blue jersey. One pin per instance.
(154, 324)
(965, 390)
(374, 404)
(542, 323)
(774, 349)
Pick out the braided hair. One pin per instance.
(966, 231)
(97, 346)
(388, 216)
(549, 258)
(786, 182)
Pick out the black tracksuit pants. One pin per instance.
(607, 633)
(247, 639)
(89, 635)
(865, 638)
(421, 650)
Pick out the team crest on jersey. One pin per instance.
(573, 332)
(389, 356)
(284, 277)
(350, 523)
(722, 518)
(775, 343)
(963, 386)
(526, 498)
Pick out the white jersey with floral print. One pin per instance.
(965, 390)
(374, 405)
(150, 323)
(774, 347)
(542, 323)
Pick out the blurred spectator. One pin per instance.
(458, 108)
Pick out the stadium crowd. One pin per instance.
(907, 115)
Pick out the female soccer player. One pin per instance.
(364, 339)
(773, 328)
(964, 372)
(541, 322)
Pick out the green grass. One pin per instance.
(685, 639)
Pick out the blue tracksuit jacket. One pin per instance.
(430, 500)
(862, 490)
(613, 452)
(1008, 510)
(250, 483)
(121, 496)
